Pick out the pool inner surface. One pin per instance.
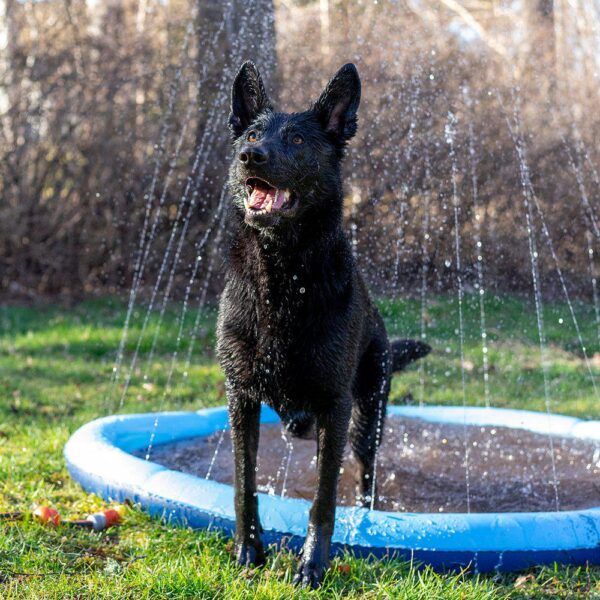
(421, 467)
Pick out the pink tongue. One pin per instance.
(279, 199)
(261, 197)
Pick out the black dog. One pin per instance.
(297, 329)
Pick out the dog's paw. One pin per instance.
(309, 574)
(250, 555)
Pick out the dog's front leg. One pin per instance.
(244, 416)
(332, 430)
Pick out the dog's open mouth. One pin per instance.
(263, 198)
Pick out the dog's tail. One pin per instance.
(406, 351)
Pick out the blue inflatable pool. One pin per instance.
(99, 457)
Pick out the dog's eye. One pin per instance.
(252, 137)
(298, 139)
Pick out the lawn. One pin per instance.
(55, 374)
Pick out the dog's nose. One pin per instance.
(254, 155)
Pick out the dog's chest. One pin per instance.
(286, 319)
(274, 344)
(285, 327)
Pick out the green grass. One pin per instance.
(55, 372)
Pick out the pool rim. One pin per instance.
(98, 456)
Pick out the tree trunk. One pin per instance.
(542, 42)
(227, 35)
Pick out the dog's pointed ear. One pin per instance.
(248, 98)
(337, 107)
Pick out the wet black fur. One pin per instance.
(297, 329)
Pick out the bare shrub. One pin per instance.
(111, 118)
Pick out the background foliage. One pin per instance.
(113, 114)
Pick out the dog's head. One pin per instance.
(287, 165)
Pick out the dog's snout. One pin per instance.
(253, 156)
